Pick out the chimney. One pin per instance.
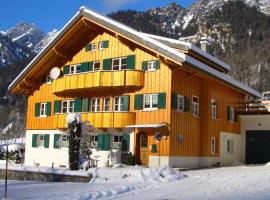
(205, 43)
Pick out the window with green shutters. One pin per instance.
(34, 140)
(131, 60)
(41, 140)
(151, 65)
(103, 44)
(187, 103)
(57, 107)
(90, 47)
(125, 106)
(161, 100)
(48, 108)
(107, 64)
(85, 67)
(125, 142)
(56, 141)
(78, 105)
(104, 141)
(86, 105)
(138, 102)
(37, 109)
(46, 140)
(43, 109)
(174, 100)
(66, 69)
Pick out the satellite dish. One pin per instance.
(55, 73)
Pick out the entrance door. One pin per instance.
(143, 148)
(257, 147)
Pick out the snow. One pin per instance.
(74, 117)
(3, 33)
(186, 20)
(226, 183)
(21, 36)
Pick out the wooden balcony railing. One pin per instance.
(74, 85)
(260, 107)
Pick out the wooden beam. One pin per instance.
(61, 54)
(31, 84)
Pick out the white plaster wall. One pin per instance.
(252, 122)
(227, 158)
(158, 161)
(45, 156)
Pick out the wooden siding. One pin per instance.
(197, 131)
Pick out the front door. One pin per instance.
(144, 148)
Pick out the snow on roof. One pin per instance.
(150, 41)
(189, 46)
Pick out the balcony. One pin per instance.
(107, 81)
(255, 107)
(99, 119)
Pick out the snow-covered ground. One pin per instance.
(230, 183)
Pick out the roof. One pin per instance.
(142, 39)
(146, 126)
(189, 46)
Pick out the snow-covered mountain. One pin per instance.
(22, 41)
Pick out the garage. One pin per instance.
(257, 146)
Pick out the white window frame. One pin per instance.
(213, 145)
(151, 65)
(195, 106)
(214, 108)
(64, 141)
(94, 141)
(94, 63)
(101, 45)
(43, 109)
(232, 114)
(41, 142)
(95, 104)
(117, 142)
(73, 69)
(180, 103)
(119, 105)
(70, 106)
(229, 145)
(106, 106)
(93, 47)
(120, 65)
(150, 100)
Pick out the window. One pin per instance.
(48, 80)
(213, 145)
(101, 45)
(96, 66)
(231, 114)
(119, 63)
(93, 47)
(180, 103)
(150, 101)
(151, 65)
(214, 108)
(117, 142)
(106, 104)
(64, 140)
(43, 109)
(67, 106)
(75, 69)
(229, 146)
(40, 140)
(118, 103)
(95, 105)
(94, 141)
(195, 106)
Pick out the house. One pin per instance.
(166, 101)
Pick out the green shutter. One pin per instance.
(56, 141)
(162, 100)
(131, 62)
(107, 141)
(174, 100)
(90, 66)
(66, 69)
(86, 105)
(88, 47)
(228, 113)
(144, 65)
(106, 43)
(100, 141)
(47, 140)
(157, 64)
(107, 64)
(138, 102)
(57, 107)
(125, 142)
(154, 148)
(85, 67)
(48, 108)
(125, 103)
(187, 103)
(37, 109)
(78, 105)
(34, 140)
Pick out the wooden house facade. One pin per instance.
(165, 101)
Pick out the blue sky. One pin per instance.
(50, 14)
